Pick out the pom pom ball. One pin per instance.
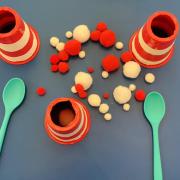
(81, 33)
(140, 95)
(63, 67)
(107, 38)
(72, 47)
(95, 35)
(110, 63)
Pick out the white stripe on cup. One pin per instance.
(145, 61)
(150, 50)
(24, 57)
(79, 136)
(18, 44)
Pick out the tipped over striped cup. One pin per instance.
(153, 44)
(19, 41)
(67, 120)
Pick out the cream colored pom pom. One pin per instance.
(119, 45)
(60, 46)
(126, 107)
(54, 41)
(73, 89)
(122, 94)
(82, 54)
(105, 74)
(150, 78)
(107, 116)
(103, 108)
(81, 33)
(131, 69)
(94, 100)
(132, 87)
(83, 78)
(69, 34)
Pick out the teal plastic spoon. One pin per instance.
(154, 109)
(13, 95)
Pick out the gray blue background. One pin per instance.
(120, 149)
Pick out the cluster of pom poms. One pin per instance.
(110, 63)
(59, 62)
(81, 34)
(103, 35)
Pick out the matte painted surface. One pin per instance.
(120, 149)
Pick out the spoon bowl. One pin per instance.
(13, 93)
(154, 107)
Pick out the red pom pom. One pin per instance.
(140, 95)
(90, 69)
(106, 95)
(79, 88)
(101, 26)
(73, 47)
(110, 63)
(83, 94)
(41, 91)
(54, 68)
(63, 67)
(54, 59)
(126, 56)
(95, 35)
(107, 38)
(63, 56)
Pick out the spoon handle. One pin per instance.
(157, 157)
(3, 129)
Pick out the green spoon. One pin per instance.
(13, 95)
(154, 109)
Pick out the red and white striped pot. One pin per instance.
(76, 130)
(19, 41)
(153, 44)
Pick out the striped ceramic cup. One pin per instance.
(19, 42)
(153, 44)
(67, 120)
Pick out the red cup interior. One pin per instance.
(62, 114)
(7, 21)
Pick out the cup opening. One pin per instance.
(163, 26)
(7, 21)
(63, 114)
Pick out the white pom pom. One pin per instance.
(94, 100)
(60, 46)
(107, 116)
(122, 94)
(126, 107)
(83, 78)
(103, 108)
(69, 34)
(82, 54)
(105, 74)
(131, 69)
(132, 87)
(73, 89)
(54, 41)
(119, 45)
(150, 78)
(81, 33)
